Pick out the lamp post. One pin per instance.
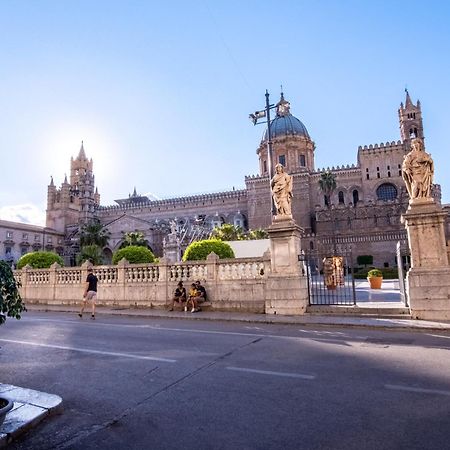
(265, 113)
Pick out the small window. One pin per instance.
(8, 251)
(23, 250)
(341, 198)
(367, 176)
(282, 160)
(386, 264)
(302, 161)
(325, 199)
(378, 169)
(9, 235)
(355, 197)
(378, 175)
(36, 238)
(367, 169)
(389, 174)
(311, 245)
(25, 236)
(389, 167)
(264, 166)
(49, 239)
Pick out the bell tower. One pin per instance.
(75, 201)
(410, 118)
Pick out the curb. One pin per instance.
(30, 408)
(393, 324)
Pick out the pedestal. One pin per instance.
(428, 280)
(424, 222)
(286, 286)
(172, 249)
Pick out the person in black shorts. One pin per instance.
(90, 292)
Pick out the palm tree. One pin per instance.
(93, 233)
(327, 184)
(228, 232)
(92, 253)
(259, 233)
(135, 238)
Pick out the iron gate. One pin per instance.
(330, 278)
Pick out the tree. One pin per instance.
(327, 184)
(39, 260)
(259, 233)
(135, 238)
(11, 304)
(134, 254)
(228, 232)
(200, 250)
(94, 233)
(92, 253)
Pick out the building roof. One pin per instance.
(285, 124)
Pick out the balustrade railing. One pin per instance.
(68, 276)
(238, 270)
(141, 274)
(39, 276)
(106, 274)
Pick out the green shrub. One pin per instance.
(39, 260)
(134, 254)
(199, 250)
(374, 273)
(92, 253)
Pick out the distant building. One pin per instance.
(364, 213)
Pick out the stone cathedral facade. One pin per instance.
(363, 214)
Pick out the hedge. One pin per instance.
(198, 251)
(389, 273)
(39, 260)
(134, 254)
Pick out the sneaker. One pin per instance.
(193, 310)
(80, 315)
(185, 308)
(93, 317)
(171, 309)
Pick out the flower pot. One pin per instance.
(5, 406)
(375, 282)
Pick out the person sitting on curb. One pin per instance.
(201, 293)
(179, 296)
(192, 299)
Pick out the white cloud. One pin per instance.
(26, 213)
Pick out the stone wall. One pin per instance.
(232, 285)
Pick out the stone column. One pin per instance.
(172, 248)
(428, 280)
(286, 286)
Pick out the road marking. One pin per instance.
(269, 372)
(398, 387)
(87, 350)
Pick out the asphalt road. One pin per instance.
(140, 383)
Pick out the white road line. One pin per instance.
(398, 387)
(87, 350)
(269, 372)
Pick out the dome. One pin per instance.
(285, 124)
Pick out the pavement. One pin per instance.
(30, 407)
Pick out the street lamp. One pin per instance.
(254, 117)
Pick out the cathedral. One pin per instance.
(363, 213)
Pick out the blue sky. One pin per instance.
(160, 92)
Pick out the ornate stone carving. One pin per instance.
(281, 185)
(417, 171)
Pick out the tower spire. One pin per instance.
(408, 101)
(81, 154)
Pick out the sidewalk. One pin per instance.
(371, 321)
(30, 407)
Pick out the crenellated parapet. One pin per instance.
(171, 203)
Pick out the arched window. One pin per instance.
(341, 198)
(311, 245)
(302, 161)
(386, 192)
(355, 197)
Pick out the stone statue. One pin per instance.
(173, 227)
(281, 185)
(417, 171)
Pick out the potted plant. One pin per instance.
(375, 278)
(11, 305)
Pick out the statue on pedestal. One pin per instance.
(417, 171)
(281, 185)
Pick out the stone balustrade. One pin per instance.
(231, 284)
